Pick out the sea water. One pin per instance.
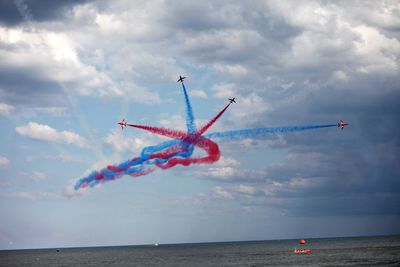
(349, 251)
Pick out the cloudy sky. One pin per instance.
(69, 70)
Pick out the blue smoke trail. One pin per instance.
(140, 164)
(160, 154)
(136, 165)
(191, 126)
(259, 132)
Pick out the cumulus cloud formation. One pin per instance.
(44, 10)
(35, 175)
(313, 62)
(48, 134)
(198, 94)
(219, 192)
(39, 176)
(121, 143)
(50, 63)
(5, 109)
(286, 62)
(70, 192)
(228, 173)
(31, 195)
(4, 162)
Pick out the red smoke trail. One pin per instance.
(176, 134)
(211, 122)
(114, 168)
(210, 147)
(213, 155)
(179, 152)
(144, 172)
(168, 152)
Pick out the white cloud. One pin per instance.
(222, 91)
(5, 109)
(52, 111)
(4, 162)
(376, 52)
(48, 134)
(53, 58)
(335, 35)
(292, 186)
(231, 174)
(122, 141)
(286, 86)
(220, 192)
(227, 43)
(176, 122)
(227, 161)
(109, 23)
(26, 112)
(248, 104)
(340, 75)
(31, 195)
(198, 94)
(39, 176)
(68, 158)
(231, 191)
(222, 172)
(35, 176)
(62, 157)
(232, 70)
(139, 94)
(245, 189)
(70, 192)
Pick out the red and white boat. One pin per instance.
(302, 251)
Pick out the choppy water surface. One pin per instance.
(359, 251)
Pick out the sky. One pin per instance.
(70, 70)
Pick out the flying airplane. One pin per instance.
(342, 124)
(181, 79)
(232, 100)
(122, 123)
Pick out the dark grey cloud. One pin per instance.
(21, 86)
(310, 63)
(353, 171)
(41, 10)
(248, 36)
(312, 70)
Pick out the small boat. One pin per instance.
(302, 251)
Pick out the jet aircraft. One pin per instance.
(232, 100)
(181, 79)
(122, 123)
(342, 124)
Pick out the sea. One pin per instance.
(346, 251)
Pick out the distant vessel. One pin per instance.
(302, 251)
(156, 244)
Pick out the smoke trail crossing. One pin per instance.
(179, 151)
